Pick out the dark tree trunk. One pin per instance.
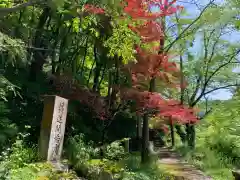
(190, 129)
(181, 133)
(56, 45)
(145, 132)
(96, 76)
(115, 82)
(98, 67)
(39, 56)
(139, 132)
(172, 133)
(187, 133)
(145, 140)
(191, 136)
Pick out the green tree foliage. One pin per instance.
(217, 140)
(221, 129)
(207, 58)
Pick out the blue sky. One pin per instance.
(192, 9)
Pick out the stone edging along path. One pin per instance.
(170, 162)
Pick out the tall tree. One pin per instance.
(152, 65)
(209, 62)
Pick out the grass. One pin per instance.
(150, 171)
(209, 161)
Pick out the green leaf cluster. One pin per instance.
(122, 41)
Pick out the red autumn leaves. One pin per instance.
(146, 101)
(150, 65)
(149, 31)
(140, 9)
(92, 102)
(153, 65)
(93, 9)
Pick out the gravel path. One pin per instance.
(170, 162)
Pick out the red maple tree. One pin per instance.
(151, 65)
(70, 89)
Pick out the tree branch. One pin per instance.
(221, 87)
(5, 11)
(211, 55)
(196, 89)
(220, 67)
(182, 80)
(199, 79)
(207, 110)
(206, 113)
(211, 76)
(190, 25)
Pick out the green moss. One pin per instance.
(106, 165)
(174, 169)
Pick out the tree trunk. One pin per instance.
(190, 129)
(145, 132)
(39, 56)
(145, 140)
(115, 82)
(96, 76)
(55, 53)
(172, 133)
(187, 133)
(139, 132)
(97, 68)
(181, 133)
(192, 136)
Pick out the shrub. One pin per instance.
(115, 151)
(39, 171)
(135, 171)
(17, 157)
(79, 152)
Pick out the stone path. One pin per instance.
(171, 162)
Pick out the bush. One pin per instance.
(8, 129)
(79, 152)
(19, 163)
(135, 171)
(211, 162)
(215, 151)
(97, 167)
(115, 151)
(115, 164)
(39, 171)
(135, 176)
(17, 157)
(218, 141)
(20, 155)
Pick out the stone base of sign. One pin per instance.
(60, 167)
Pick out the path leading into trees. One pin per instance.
(171, 162)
